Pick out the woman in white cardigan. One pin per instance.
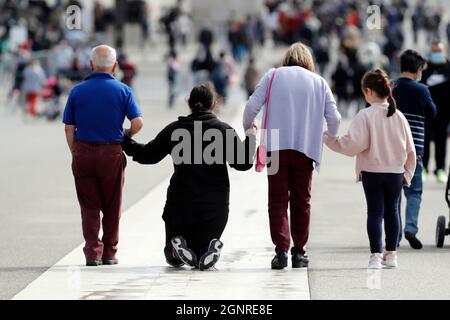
(300, 102)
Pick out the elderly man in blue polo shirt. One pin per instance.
(94, 117)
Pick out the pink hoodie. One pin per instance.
(380, 144)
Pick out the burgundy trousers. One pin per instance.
(291, 185)
(99, 177)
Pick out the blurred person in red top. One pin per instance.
(353, 18)
(128, 69)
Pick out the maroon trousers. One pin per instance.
(99, 177)
(290, 185)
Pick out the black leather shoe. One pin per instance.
(300, 261)
(110, 261)
(280, 261)
(93, 263)
(413, 241)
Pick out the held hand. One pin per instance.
(252, 130)
(405, 182)
(327, 136)
(127, 145)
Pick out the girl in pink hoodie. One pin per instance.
(381, 140)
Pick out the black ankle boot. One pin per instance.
(280, 261)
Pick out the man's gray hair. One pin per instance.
(103, 57)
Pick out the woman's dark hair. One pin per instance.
(378, 81)
(412, 61)
(202, 98)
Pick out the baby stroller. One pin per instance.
(442, 229)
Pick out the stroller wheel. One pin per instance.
(440, 232)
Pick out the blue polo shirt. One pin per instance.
(97, 108)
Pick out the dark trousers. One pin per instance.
(198, 235)
(99, 179)
(436, 130)
(291, 185)
(382, 192)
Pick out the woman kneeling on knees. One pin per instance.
(196, 210)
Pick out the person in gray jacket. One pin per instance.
(34, 79)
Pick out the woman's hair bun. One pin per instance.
(202, 97)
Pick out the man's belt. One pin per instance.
(99, 143)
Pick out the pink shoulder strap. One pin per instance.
(268, 98)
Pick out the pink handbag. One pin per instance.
(261, 152)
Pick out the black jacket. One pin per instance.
(199, 188)
(437, 78)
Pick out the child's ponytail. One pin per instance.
(392, 106)
(378, 81)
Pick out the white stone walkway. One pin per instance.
(243, 271)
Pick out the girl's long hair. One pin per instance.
(378, 81)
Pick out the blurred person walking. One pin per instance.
(220, 76)
(237, 38)
(16, 90)
(301, 101)
(34, 80)
(202, 65)
(184, 24)
(341, 79)
(251, 77)
(62, 53)
(173, 74)
(321, 52)
(415, 102)
(93, 117)
(100, 22)
(169, 20)
(128, 69)
(437, 78)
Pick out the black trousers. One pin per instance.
(436, 130)
(198, 235)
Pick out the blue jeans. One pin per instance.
(413, 195)
(382, 192)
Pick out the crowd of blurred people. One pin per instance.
(316, 22)
(46, 58)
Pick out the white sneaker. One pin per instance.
(441, 177)
(390, 259)
(375, 261)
